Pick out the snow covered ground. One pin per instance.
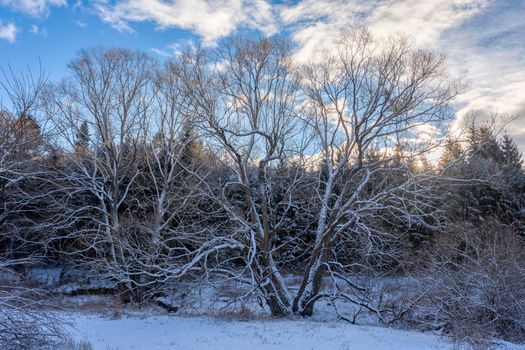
(192, 333)
(208, 319)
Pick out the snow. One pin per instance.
(175, 332)
(208, 318)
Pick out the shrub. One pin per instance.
(475, 284)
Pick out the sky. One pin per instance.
(484, 40)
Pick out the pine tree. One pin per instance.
(511, 156)
(488, 145)
(513, 176)
(26, 137)
(192, 148)
(452, 152)
(511, 163)
(82, 137)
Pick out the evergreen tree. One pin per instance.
(192, 147)
(452, 152)
(82, 137)
(26, 137)
(511, 155)
(488, 145)
(513, 178)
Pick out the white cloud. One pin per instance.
(161, 52)
(210, 19)
(493, 61)
(37, 8)
(316, 24)
(81, 24)
(36, 30)
(425, 21)
(483, 40)
(488, 52)
(8, 32)
(176, 48)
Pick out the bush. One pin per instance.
(475, 285)
(25, 323)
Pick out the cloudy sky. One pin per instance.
(484, 39)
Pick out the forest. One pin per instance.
(351, 181)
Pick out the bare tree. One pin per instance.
(173, 232)
(110, 90)
(128, 200)
(23, 146)
(22, 133)
(248, 109)
(371, 95)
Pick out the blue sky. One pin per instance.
(56, 33)
(483, 39)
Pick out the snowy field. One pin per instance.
(208, 319)
(192, 333)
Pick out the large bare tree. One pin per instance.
(248, 109)
(101, 112)
(370, 97)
